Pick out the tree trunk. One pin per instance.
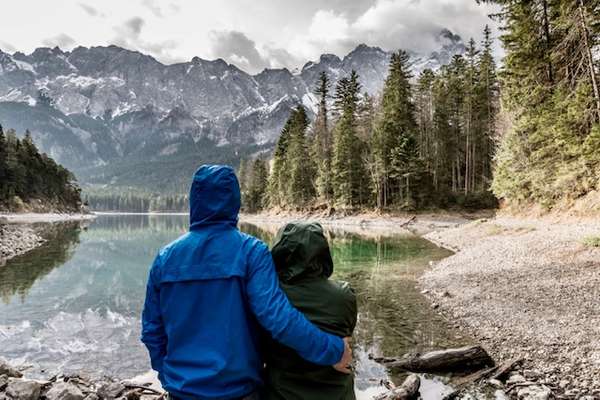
(459, 359)
(409, 390)
(590, 58)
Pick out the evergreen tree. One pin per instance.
(257, 186)
(279, 177)
(349, 175)
(394, 143)
(322, 141)
(300, 189)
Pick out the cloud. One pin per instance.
(237, 48)
(62, 40)
(129, 36)
(91, 11)
(411, 25)
(151, 5)
(7, 47)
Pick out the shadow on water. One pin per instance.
(81, 297)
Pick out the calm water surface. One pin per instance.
(75, 303)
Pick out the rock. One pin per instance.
(3, 382)
(92, 396)
(534, 392)
(515, 378)
(64, 391)
(9, 371)
(23, 389)
(110, 390)
(495, 383)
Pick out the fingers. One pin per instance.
(345, 370)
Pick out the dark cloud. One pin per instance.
(90, 10)
(129, 36)
(133, 26)
(237, 48)
(62, 40)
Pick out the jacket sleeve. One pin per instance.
(286, 324)
(153, 330)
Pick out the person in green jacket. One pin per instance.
(303, 263)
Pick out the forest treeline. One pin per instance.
(420, 143)
(134, 201)
(550, 89)
(32, 179)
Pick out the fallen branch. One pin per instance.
(409, 390)
(459, 359)
(143, 388)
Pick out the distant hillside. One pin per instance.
(30, 181)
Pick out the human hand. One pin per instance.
(344, 364)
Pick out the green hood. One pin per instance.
(301, 251)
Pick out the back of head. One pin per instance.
(214, 196)
(301, 251)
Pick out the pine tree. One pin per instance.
(349, 175)
(279, 177)
(394, 142)
(257, 186)
(300, 188)
(3, 166)
(322, 141)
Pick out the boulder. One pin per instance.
(64, 391)
(9, 371)
(23, 389)
(110, 390)
(534, 392)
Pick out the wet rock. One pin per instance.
(23, 389)
(92, 396)
(110, 390)
(3, 382)
(9, 371)
(534, 393)
(64, 391)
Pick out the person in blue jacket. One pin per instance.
(208, 294)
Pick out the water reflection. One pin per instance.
(84, 316)
(19, 275)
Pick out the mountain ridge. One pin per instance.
(91, 107)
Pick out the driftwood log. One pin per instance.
(409, 390)
(460, 359)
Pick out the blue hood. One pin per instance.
(214, 196)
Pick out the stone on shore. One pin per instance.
(23, 389)
(64, 391)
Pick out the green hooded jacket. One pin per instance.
(304, 265)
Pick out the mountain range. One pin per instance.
(121, 118)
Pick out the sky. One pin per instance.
(252, 34)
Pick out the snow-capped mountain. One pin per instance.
(98, 110)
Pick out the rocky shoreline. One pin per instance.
(21, 233)
(526, 289)
(13, 386)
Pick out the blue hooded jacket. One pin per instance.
(207, 293)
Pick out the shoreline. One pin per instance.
(526, 288)
(23, 232)
(372, 223)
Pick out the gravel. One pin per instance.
(526, 288)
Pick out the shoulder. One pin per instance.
(253, 246)
(344, 290)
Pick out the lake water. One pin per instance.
(74, 304)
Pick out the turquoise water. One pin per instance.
(74, 304)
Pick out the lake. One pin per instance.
(74, 304)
